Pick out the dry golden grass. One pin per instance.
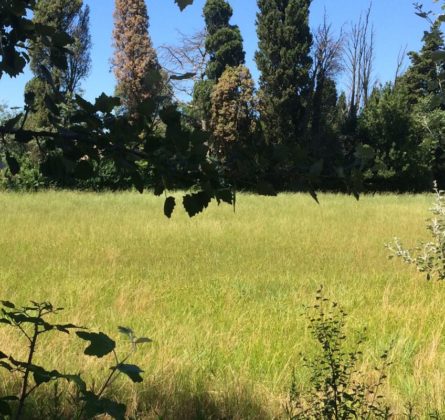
(222, 294)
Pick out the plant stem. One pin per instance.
(23, 392)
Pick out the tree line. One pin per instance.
(295, 132)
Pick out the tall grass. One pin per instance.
(222, 294)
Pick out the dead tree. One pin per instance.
(186, 61)
(359, 61)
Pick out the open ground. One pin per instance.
(222, 294)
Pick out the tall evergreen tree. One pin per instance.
(284, 61)
(135, 60)
(68, 16)
(224, 44)
(422, 76)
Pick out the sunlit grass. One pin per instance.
(222, 294)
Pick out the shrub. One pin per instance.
(31, 322)
(338, 389)
(428, 257)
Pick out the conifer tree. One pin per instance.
(135, 60)
(422, 76)
(284, 61)
(68, 16)
(232, 107)
(224, 42)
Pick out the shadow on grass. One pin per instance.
(156, 401)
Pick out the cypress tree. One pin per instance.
(66, 16)
(224, 42)
(135, 61)
(224, 45)
(284, 61)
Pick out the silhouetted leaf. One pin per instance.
(196, 203)
(183, 3)
(11, 123)
(143, 340)
(169, 206)
(126, 331)
(100, 343)
(184, 76)
(95, 406)
(106, 104)
(132, 371)
(7, 304)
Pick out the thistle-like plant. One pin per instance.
(428, 257)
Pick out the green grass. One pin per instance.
(222, 294)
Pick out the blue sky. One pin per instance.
(396, 26)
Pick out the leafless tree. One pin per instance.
(328, 51)
(359, 60)
(186, 61)
(400, 67)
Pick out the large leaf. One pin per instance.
(100, 343)
(96, 406)
(183, 3)
(196, 203)
(132, 371)
(169, 206)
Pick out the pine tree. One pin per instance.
(135, 60)
(284, 61)
(421, 78)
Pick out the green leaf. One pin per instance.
(132, 371)
(100, 343)
(183, 3)
(169, 206)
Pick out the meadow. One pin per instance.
(223, 294)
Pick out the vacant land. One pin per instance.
(223, 294)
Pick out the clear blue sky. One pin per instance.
(395, 23)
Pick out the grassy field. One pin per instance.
(222, 294)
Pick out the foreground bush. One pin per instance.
(89, 401)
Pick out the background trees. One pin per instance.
(284, 61)
(296, 132)
(135, 61)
